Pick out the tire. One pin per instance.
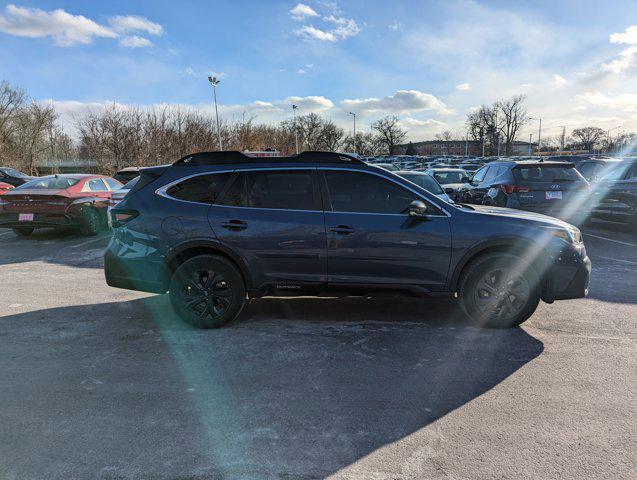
(207, 291)
(23, 231)
(487, 201)
(498, 290)
(91, 223)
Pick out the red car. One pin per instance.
(58, 201)
(5, 187)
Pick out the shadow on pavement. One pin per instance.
(297, 388)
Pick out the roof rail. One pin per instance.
(219, 158)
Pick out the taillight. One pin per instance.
(121, 217)
(509, 189)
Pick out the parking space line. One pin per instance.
(617, 260)
(611, 240)
(5, 233)
(86, 242)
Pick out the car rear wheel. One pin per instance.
(91, 222)
(207, 291)
(499, 291)
(23, 231)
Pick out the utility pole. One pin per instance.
(214, 81)
(563, 136)
(608, 136)
(539, 133)
(355, 143)
(530, 142)
(466, 145)
(296, 135)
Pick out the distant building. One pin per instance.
(458, 147)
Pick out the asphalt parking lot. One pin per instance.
(97, 382)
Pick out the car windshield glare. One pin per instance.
(50, 183)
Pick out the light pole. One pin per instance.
(296, 135)
(530, 142)
(563, 136)
(214, 81)
(539, 133)
(355, 144)
(466, 145)
(608, 136)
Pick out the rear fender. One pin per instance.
(78, 206)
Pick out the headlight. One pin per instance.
(569, 234)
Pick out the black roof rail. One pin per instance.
(220, 158)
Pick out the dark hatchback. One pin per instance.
(214, 228)
(614, 196)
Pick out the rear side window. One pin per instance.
(113, 184)
(283, 189)
(366, 193)
(541, 173)
(96, 185)
(200, 189)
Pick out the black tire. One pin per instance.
(487, 201)
(91, 222)
(23, 231)
(498, 290)
(207, 291)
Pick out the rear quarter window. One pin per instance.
(200, 189)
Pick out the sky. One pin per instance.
(428, 62)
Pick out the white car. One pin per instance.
(425, 181)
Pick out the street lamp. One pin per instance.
(530, 142)
(214, 81)
(355, 144)
(608, 135)
(539, 133)
(296, 135)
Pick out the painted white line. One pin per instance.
(616, 260)
(86, 242)
(5, 233)
(611, 240)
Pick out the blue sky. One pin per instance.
(427, 62)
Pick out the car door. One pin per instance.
(273, 218)
(372, 240)
(624, 192)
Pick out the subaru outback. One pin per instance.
(214, 229)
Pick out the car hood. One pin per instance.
(513, 214)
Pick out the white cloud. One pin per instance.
(311, 33)
(312, 103)
(401, 101)
(302, 11)
(301, 71)
(395, 25)
(133, 23)
(64, 28)
(629, 36)
(135, 42)
(190, 71)
(463, 87)
(623, 101)
(345, 27)
(558, 80)
(67, 29)
(627, 61)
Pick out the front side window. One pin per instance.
(491, 173)
(201, 189)
(479, 176)
(366, 193)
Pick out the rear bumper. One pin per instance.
(123, 268)
(40, 220)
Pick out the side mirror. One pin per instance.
(465, 180)
(449, 190)
(418, 209)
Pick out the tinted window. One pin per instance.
(112, 183)
(491, 173)
(96, 185)
(632, 174)
(588, 169)
(235, 195)
(479, 176)
(425, 181)
(445, 178)
(364, 192)
(284, 189)
(202, 188)
(546, 174)
(53, 183)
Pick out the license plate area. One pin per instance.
(25, 217)
(554, 195)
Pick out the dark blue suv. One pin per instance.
(215, 228)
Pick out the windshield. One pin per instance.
(50, 183)
(446, 177)
(14, 173)
(425, 181)
(539, 173)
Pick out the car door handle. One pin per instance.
(235, 225)
(342, 230)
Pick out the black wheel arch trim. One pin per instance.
(203, 244)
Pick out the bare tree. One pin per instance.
(512, 117)
(389, 132)
(589, 137)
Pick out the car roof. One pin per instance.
(233, 157)
(410, 172)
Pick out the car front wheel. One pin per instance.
(207, 291)
(499, 290)
(91, 222)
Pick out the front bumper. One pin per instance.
(569, 274)
(578, 286)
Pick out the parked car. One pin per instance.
(5, 187)
(58, 201)
(215, 227)
(387, 166)
(125, 175)
(470, 167)
(614, 196)
(552, 188)
(425, 181)
(118, 195)
(453, 180)
(13, 177)
(594, 168)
